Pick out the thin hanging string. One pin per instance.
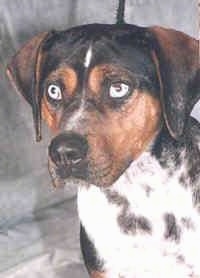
(120, 12)
(199, 27)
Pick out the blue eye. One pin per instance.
(54, 92)
(119, 90)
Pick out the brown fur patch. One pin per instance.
(101, 72)
(68, 76)
(97, 274)
(138, 119)
(119, 136)
(131, 129)
(51, 116)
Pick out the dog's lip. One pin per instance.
(64, 171)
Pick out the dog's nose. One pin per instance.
(68, 149)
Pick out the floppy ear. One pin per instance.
(24, 72)
(177, 58)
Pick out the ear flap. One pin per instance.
(176, 57)
(24, 73)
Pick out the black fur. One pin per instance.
(173, 231)
(90, 256)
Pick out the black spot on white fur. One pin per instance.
(172, 229)
(187, 223)
(148, 190)
(128, 222)
(180, 259)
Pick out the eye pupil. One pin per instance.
(119, 90)
(118, 87)
(54, 92)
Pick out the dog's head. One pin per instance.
(106, 91)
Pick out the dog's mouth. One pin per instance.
(72, 157)
(86, 173)
(63, 171)
(66, 171)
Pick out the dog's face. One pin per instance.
(101, 98)
(100, 91)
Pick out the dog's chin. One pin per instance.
(60, 182)
(64, 175)
(61, 176)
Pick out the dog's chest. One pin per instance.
(145, 225)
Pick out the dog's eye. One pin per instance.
(54, 92)
(119, 90)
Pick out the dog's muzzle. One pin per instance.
(68, 152)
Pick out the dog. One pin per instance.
(118, 100)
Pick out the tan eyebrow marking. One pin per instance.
(95, 78)
(68, 77)
(48, 115)
(99, 73)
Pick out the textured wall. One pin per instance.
(24, 179)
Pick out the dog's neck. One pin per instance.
(167, 161)
(148, 172)
(173, 155)
(134, 210)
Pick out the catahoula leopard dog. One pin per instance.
(118, 100)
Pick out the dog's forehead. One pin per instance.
(107, 43)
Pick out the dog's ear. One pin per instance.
(24, 73)
(177, 61)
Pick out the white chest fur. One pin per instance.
(149, 193)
